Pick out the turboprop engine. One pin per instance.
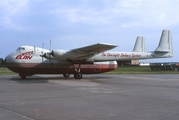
(58, 53)
(47, 56)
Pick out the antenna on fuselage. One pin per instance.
(50, 50)
(34, 50)
(50, 45)
(43, 52)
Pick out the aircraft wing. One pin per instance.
(83, 53)
(93, 49)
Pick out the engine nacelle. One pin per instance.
(47, 56)
(58, 53)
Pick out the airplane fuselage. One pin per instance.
(29, 62)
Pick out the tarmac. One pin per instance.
(95, 97)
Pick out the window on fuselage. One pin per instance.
(20, 49)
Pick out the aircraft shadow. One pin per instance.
(46, 78)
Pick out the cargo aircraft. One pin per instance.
(30, 60)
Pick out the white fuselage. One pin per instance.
(27, 60)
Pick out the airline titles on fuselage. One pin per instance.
(121, 55)
(25, 55)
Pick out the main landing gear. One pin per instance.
(23, 76)
(78, 74)
(66, 75)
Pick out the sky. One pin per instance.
(71, 24)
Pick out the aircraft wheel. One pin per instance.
(77, 75)
(66, 75)
(23, 76)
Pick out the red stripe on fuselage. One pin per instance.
(55, 68)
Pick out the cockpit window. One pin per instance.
(20, 49)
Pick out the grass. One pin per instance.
(119, 70)
(139, 70)
(6, 71)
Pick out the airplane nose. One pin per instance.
(9, 59)
(11, 63)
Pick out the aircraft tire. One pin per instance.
(77, 75)
(66, 75)
(23, 77)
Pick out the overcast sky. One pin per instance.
(71, 24)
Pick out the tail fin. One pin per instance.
(139, 44)
(165, 44)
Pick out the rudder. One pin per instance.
(165, 44)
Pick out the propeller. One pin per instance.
(51, 53)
